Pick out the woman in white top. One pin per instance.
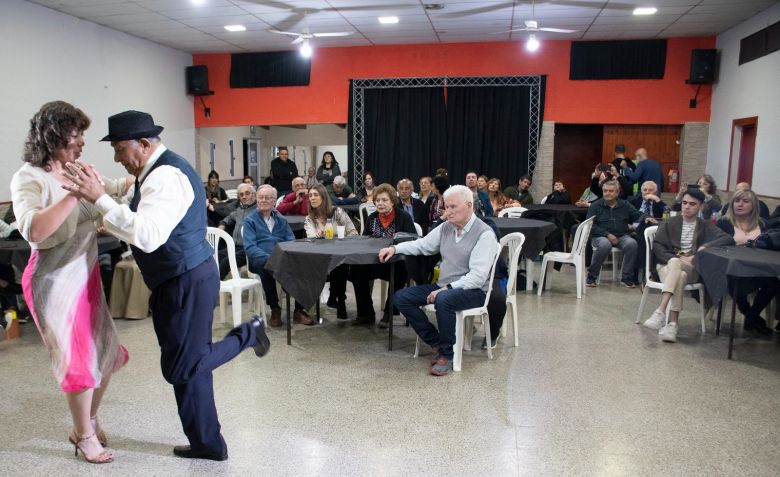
(320, 211)
(61, 282)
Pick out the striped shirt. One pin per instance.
(686, 239)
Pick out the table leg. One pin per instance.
(720, 312)
(733, 317)
(390, 296)
(289, 321)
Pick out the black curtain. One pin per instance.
(487, 132)
(404, 132)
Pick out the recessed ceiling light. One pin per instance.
(235, 28)
(645, 10)
(197, 2)
(388, 20)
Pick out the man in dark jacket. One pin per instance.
(415, 208)
(612, 228)
(677, 240)
(647, 202)
(234, 223)
(646, 169)
(283, 171)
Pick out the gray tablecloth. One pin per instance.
(717, 264)
(295, 221)
(535, 231)
(302, 266)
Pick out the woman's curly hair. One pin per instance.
(50, 130)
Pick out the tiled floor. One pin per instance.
(587, 392)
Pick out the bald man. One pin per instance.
(646, 169)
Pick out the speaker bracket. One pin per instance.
(206, 109)
(692, 102)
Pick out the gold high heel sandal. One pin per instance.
(101, 436)
(102, 458)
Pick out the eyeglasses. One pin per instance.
(266, 197)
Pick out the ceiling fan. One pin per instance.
(533, 27)
(306, 34)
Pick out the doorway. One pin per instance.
(743, 146)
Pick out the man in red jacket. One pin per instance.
(297, 201)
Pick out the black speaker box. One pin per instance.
(198, 80)
(703, 66)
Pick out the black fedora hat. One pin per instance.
(131, 125)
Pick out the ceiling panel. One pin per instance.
(170, 21)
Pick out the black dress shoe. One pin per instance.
(262, 343)
(188, 453)
(332, 301)
(341, 310)
(758, 325)
(364, 320)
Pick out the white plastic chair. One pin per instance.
(544, 200)
(514, 243)
(232, 193)
(512, 212)
(370, 208)
(576, 257)
(418, 228)
(616, 265)
(279, 201)
(650, 283)
(464, 322)
(236, 285)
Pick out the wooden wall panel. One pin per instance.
(661, 141)
(578, 148)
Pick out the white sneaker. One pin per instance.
(656, 321)
(669, 333)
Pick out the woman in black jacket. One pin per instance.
(329, 168)
(388, 219)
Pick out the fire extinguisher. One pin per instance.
(673, 180)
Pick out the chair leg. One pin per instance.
(417, 347)
(486, 322)
(260, 300)
(503, 331)
(458, 349)
(222, 306)
(383, 285)
(703, 313)
(579, 269)
(529, 274)
(645, 292)
(235, 298)
(542, 276)
(468, 332)
(515, 324)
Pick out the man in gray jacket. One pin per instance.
(235, 222)
(468, 247)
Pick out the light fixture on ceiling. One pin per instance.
(306, 49)
(387, 20)
(645, 10)
(197, 2)
(235, 28)
(433, 6)
(532, 44)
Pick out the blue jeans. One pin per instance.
(409, 300)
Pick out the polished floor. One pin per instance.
(587, 393)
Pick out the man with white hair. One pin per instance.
(235, 222)
(467, 246)
(647, 200)
(341, 193)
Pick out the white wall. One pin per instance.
(221, 138)
(50, 56)
(745, 91)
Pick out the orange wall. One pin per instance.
(325, 99)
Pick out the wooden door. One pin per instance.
(577, 150)
(662, 142)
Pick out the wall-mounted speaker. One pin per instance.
(703, 66)
(198, 80)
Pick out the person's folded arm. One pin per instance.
(166, 194)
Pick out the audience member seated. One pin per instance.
(607, 172)
(706, 184)
(366, 193)
(647, 202)
(311, 178)
(587, 198)
(763, 209)
(646, 170)
(521, 193)
(388, 219)
(414, 207)
(297, 201)
(262, 231)
(498, 201)
(340, 193)
(214, 193)
(426, 189)
(329, 169)
(467, 246)
(743, 223)
(248, 180)
(678, 239)
(482, 182)
(481, 201)
(233, 223)
(434, 206)
(612, 228)
(321, 210)
(559, 194)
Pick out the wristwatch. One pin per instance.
(449, 286)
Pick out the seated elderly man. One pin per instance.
(467, 246)
(612, 228)
(297, 201)
(677, 241)
(262, 231)
(647, 202)
(341, 193)
(234, 222)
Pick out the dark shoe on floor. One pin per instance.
(262, 343)
(300, 316)
(435, 352)
(441, 367)
(188, 453)
(384, 323)
(627, 284)
(341, 310)
(493, 343)
(364, 320)
(332, 302)
(758, 325)
(276, 318)
(591, 282)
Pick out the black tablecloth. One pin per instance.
(302, 266)
(351, 209)
(562, 215)
(717, 264)
(295, 221)
(535, 231)
(18, 251)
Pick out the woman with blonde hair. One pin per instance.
(320, 211)
(742, 221)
